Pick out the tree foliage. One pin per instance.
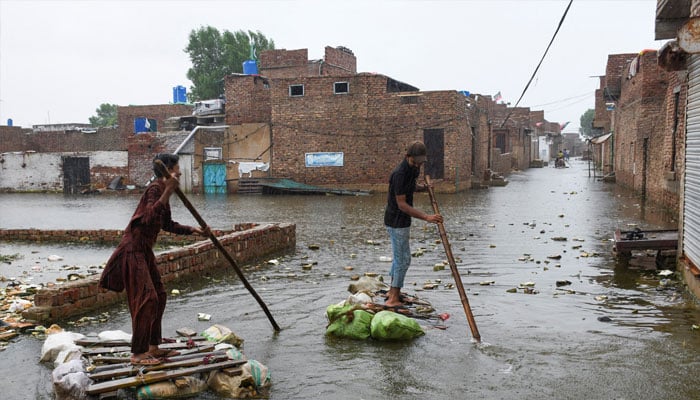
(106, 115)
(587, 123)
(215, 55)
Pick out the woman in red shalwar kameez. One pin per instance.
(133, 267)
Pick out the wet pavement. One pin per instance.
(613, 332)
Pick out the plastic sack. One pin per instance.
(359, 298)
(221, 334)
(189, 386)
(58, 342)
(254, 377)
(367, 284)
(110, 336)
(70, 381)
(388, 325)
(348, 321)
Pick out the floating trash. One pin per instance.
(175, 292)
(385, 259)
(314, 247)
(54, 257)
(203, 317)
(273, 262)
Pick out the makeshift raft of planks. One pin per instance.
(637, 239)
(111, 368)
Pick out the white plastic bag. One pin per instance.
(58, 342)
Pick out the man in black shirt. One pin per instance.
(398, 214)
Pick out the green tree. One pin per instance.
(106, 115)
(587, 123)
(215, 55)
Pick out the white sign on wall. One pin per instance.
(324, 159)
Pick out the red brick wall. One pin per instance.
(283, 63)
(641, 115)
(247, 99)
(295, 63)
(339, 62)
(370, 126)
(19, 139)
(83, 296)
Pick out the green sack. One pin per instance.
(388, 325)
(348, 321)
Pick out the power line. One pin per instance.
(540, 63)
(559, 101)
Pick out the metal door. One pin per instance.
(76, 174)
(691, 194)
(434, 140)
(214, 178)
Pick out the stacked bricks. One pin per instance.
(248, 243)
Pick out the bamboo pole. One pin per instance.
(222, 249)
(453, 265)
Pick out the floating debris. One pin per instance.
(554, 257)
(387, 259)
(348, 268)
(563, 283)
(273, 262)
(175, 292)
(203, 317)
(559, 239)
(54, 257)
(486, 283)
(314, 247)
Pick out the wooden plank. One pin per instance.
(157, 376)
(126, 361)
(101, 358)
(127, 349)
(131, 370)
(92, 341)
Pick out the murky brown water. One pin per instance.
(547, 345)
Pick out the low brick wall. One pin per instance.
(83, 296)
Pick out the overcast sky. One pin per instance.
(59, 60)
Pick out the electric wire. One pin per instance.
(540, 63)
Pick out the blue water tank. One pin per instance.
(179, 95)
(250, 67)
(9, 122)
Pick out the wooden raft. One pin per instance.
(112, 370)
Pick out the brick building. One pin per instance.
(636, 100)
(323, 108)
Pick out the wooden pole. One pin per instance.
(222, 249)
(453, 265)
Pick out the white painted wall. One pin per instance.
(33, 172)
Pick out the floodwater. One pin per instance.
(615, 332)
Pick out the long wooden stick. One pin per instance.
(222, 249)
(453, 265)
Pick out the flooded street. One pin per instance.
(614, 333)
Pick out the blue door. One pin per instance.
(214, 178)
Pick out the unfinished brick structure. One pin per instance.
(281, 63)
(248, 243)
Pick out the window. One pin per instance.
(296, 90)
(409, 99)
(212, 153)
(341, 88)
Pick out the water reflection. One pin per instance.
(614, 332)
